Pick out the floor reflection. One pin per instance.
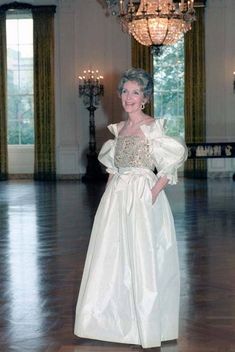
(25, 311)
(45, 231)
(103, 349)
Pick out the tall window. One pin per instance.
(20, 78)
(169, 87)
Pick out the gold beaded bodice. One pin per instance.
(133, 151)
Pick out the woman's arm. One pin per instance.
(159, 185)
(109, 179)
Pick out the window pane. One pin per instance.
(168, 104)
(169, 87)
(169, 56)
(158, 104)
(13, 103)
(20, 80)
(26, 82)
(12, 56)
(170, 80)
(13, 132)
(174, 126)
(26, 55)
(27, 136)
(25, 32)
(12, 31)
(181, 105)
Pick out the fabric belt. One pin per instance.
(125, 178)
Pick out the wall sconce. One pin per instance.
(91, 89)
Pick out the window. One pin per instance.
(20, 78)
(169, 87)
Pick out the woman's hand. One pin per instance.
(154, 195)
(159, 185)
(109, 179)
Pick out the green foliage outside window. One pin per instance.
(169, 87)
(20, 81)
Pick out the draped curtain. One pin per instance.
(44, 97)
(3, 115)
(142, 58)
(195, 117)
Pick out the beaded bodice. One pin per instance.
(133, 151)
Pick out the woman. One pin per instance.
(130, 286)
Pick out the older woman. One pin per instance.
(130, 286)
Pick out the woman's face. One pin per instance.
(132, 97)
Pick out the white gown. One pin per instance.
(130, 286)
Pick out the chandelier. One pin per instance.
(154, 22)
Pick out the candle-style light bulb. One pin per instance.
(121, 7)
(181, 5)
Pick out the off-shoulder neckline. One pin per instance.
(145, 128)
(153, 122)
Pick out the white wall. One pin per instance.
(86, 38)
(220, 65)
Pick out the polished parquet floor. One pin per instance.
(44, 233)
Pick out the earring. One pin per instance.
(142, 106)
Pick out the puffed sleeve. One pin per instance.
(168, 153)
(106, 154)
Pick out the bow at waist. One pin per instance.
(134, 182)
(132, 171)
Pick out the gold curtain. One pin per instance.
(44, 97)
(141, 57)
(3, 102)
(195, 118)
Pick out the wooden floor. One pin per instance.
(44, 233)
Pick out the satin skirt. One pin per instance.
(130, 286)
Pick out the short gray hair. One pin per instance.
(139, 76)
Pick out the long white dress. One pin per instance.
(130, 286)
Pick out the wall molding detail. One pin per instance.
(67, 161)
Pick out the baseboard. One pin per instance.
(20, 176)
(220, 174)
(69, 177)
(64, 177)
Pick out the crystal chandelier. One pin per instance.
(154, 22)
